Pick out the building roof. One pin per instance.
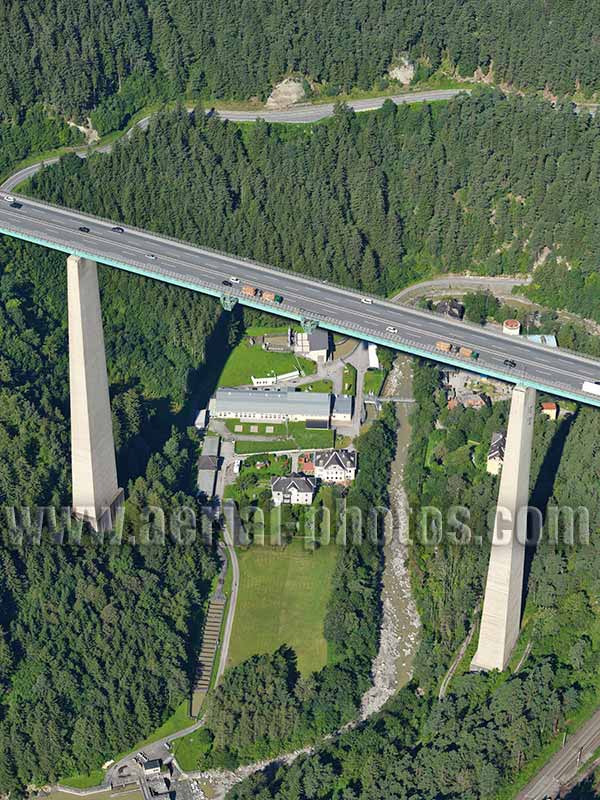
(549, 406)
(549, 339)
(302, 483)
(342, 404)
(346, 459)
(211, 445)
(153, 763)
(208, 462)
(318, 339)
(277, 401)
(497, 445)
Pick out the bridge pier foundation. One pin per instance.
(96, 494)
(501, 616)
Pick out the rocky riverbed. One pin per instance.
(392, 667)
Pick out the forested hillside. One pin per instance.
(75, 55)
(76, 620)
(474, 742)
(483, 183)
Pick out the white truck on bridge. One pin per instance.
(591, 387)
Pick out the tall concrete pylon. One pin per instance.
(501, 617)
(96, 493)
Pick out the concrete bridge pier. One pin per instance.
(96, 494)
(501, 616)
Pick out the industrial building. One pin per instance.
(271, 405)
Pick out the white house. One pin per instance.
(336, 466)
(295, 490)
(342, 409)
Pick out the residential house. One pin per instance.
(495, 457)
(295, 489)
(336, 466)
(550, 410)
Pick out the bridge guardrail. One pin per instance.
(291, 274)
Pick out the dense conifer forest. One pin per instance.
(78, 621)
(74, 56)
(489, 183)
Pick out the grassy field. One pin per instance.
(349, 380)
(374, 380)
(246, 360)
(282, 600)
(245, 448)
(279, 429)
(323, 385)
(307, 437)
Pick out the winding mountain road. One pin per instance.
(304, 113)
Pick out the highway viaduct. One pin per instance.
(89, 240)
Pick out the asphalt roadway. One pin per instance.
(336, 308)
(301, 113)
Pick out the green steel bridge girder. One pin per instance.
(228, 301)
(309, 325)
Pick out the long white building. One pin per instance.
(271, 405)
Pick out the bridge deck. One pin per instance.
(335, 308)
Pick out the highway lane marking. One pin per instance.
(208, 271)
(347, 295)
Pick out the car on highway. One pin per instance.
(391, 329)
(117, 229)
(508, 362)
(367, 300)
(84, 229)
(227, 283)
(234, 279)
(151, 256)
(9, 198)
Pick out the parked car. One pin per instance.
(84, 229)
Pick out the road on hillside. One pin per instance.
(333, 307)
(298, 113)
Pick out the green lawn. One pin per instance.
(307, 437)
(299, 438)
(323, 385)
(374, 380)
(246, 361)
(282, 600)
(243, 448)
(349, 380)
(189, 749)
(279, 429)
